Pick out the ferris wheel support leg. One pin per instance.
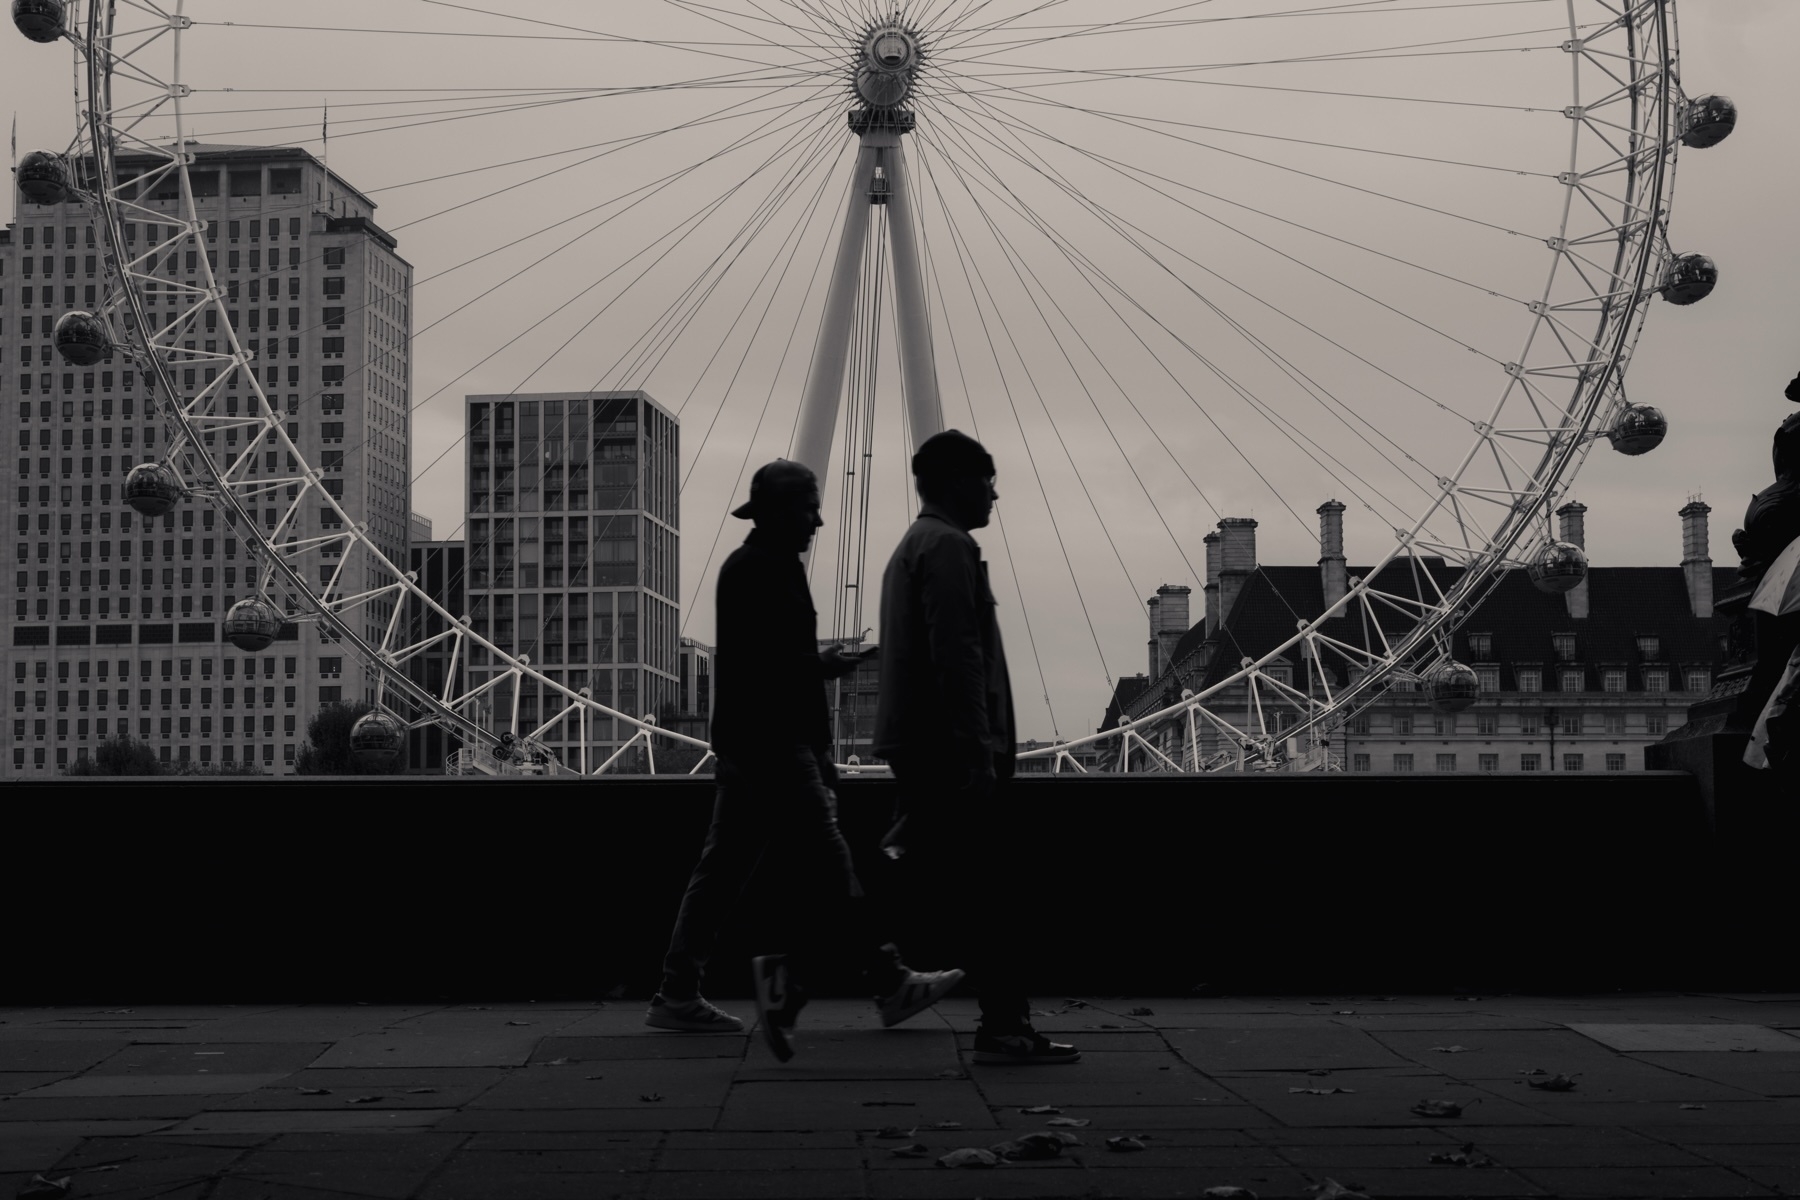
(924, 407)
(825, 381)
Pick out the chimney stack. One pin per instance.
(1212, 584)
(1696, 557)
(1152, 605)
(1237, 559)
(1334, 574)
(1171, 607)
(1574, 531)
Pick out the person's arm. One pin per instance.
(951, 593)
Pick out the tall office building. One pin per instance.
(441, 568)
(115, 623)
(574, 557)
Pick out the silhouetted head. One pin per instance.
(955, 474)
(784, 502)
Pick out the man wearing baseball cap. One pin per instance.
(945, 723)
(771, 732)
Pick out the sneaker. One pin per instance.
(698, 1015)
(1027, 1048)
(918, 991)
(778, 1002)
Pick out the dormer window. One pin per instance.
(1649, 647)
(1531, 681)
(1564, 645)
(1481, 647)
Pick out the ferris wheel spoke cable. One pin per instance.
(971, 272)
(710, 12)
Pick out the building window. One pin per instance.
(1656, 682)
(1564, 645)
(1615, 723)
(1481, 646)
(1571, 723)
(1531, 681)
(1529, 762)
(1403, 763)
(1613, 681)
(1490, 763)
(1572, 762)
(1489, 678)
(1359, 762)
(1699, 681)
(1403, 725)
(1615, 762)
(1650, 647)
(1656, 723)
(1572, 681)
(1360, 724)
(1446, 762)
(1487, 723)
(1530, 723)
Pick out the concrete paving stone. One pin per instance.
(394, 1141)
(610, 1161)
(1773, 1154)
(155, 1085)
(1648, 1181)
(1621, 1081)
(666, 1045)
(502, 1047)
(1375, 1022)
(213, 1058)
(1784, 1180)
(462, 1023)
(1160, 1157)
(234, 1188)
(450, 1087)
(364, 1175)
(83, 1129)
(1096, 1066)
(931, 1182)
(759, 1158)
(1112, 1182)
(1607, 1154)
(682, 1083)
(1399, 1135)
(752, 1185)
(1764, 1074)
(1434, 1181)
(1166, 1089)
(923, 1053)
(1498, 1053)
(1330, 1047)
(834, 1104)
(1641, 1036)
(1115, 1119)
(644, 1116)
(537, 1139)
(623, 1020)
(300, 1122)
(104, 1108)
(34, 1153)
(460, 1186)
(1739, 1132)
(14, 1082)
(1389, 1102)
(1653, 1118)
(1559, 1135)
(1351, 1156)
(1105, 1041)
(57, 1054)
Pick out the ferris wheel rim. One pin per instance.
(1590, 401)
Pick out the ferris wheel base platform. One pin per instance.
(345, 889)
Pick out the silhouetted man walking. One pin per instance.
(945, 723)
(771, 733)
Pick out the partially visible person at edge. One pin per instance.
(771, 733)
(945, 723)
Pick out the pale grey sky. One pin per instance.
(1291, 202)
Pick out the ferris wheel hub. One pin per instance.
(888, 66)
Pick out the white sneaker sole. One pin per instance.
(893, 1017)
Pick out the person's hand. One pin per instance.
(839, 661)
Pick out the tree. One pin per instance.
(326, 750)
(118, 755)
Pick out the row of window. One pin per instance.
(228, 669)
(167, 698)
(1488, 763)
(182, 754)
(1530, 721)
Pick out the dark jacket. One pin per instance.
(768, 679)
(945, 692)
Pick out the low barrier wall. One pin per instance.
(418, 887)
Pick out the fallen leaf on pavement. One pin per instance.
(1141, 1012)
(1319, 1071)
(1449, 1049)
(518, 1022)
(1330, 1091)
(891, 1133)
(1331, 1189)
(1556, 1083)
(1345, 1012)
(1228, 1193)
(970, 1157)
(1124, 1145)
(1440, 1108)
(1029, 1148)
(1069, 1122)
(651, 1097)
(1063, 1136)
(1535, 1071)
(1111, 1027)
(948, 1125)
(1466, 997)
(557, 1062)
(364, 1100)
(916, 1150)
(305, 1091)
(1468, 1156)
(420, 1091)
(1039, 1110)
(45, 1189)
(1073, 1003)
(596, 1077)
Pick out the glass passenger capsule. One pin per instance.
(375, 741)
(1559, 567)
(253, 623)
(1707, 121)
(82, 339)
(44, 177)
(40, 20)
(1452, 687)
(152, 489)
(1639, 430)
(1689, 279)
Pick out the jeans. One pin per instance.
(959, 871)
(785, 802)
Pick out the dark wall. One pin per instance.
(421, 887)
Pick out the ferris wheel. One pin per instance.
(1167, 258)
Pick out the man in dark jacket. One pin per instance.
(945, 723)
(771, 733)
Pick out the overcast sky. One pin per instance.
(1182, 266)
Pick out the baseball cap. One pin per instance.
(772, 480)
(953, 454)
